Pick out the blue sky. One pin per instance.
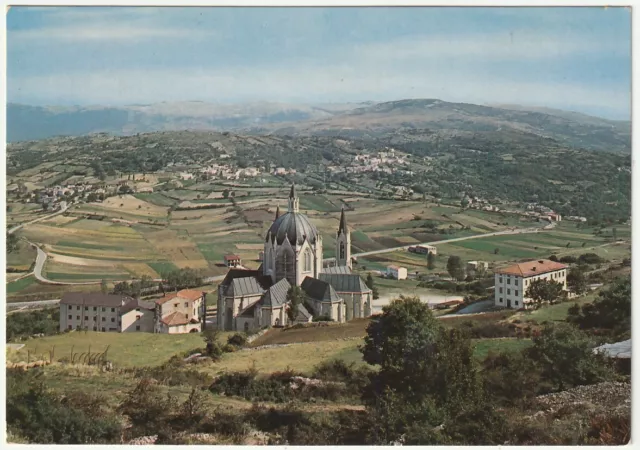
(570, 58)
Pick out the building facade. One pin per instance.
(180, 312)
(397, 272)
(293, 256)
(511, 283)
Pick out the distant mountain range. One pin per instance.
(345, 119)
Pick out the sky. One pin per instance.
(573, 58)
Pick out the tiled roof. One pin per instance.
(319, 290)
(337, 270)
(531, 268)
(176, 318)
(136, 303)
(277, 294)
(231, 257)
(186, 294)
(94, 299)
(345, 283)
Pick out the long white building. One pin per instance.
(511, 283)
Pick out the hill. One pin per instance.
(365, 120)
(25, 123)
(450, 119)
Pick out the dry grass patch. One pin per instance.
(314, 332)
(133, 205)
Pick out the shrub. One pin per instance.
(238, 339)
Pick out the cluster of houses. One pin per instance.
(174, 313)
(228, 172)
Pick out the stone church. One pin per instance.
(254, 299)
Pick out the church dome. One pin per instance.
(295, 226)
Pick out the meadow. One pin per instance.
(130, 236)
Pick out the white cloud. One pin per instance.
(111, 33)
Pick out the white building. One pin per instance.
(511, 283)
(397, 272)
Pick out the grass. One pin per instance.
(300, 357)
(17, 286)
(353, 329)
(125, 349)
(557, 312)
(482, 347)
(162, 267)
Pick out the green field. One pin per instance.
(125, 349)
(19, 285)
(482, 347)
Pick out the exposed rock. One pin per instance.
(144, 440)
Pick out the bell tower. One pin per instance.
(343, 243)
(294, 202)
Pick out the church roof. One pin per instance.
(345, 282)
(264, 281)
(345, 270)
(277, 294)
(303, 314)
(295, 226)
(244, 286)
(343, 223)
(319, 290)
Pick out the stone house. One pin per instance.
(180, 312)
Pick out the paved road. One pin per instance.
(17, 227)
(446, 241)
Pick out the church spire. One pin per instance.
(342, 228)
(294, 202)
(277, 212)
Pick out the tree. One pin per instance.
(614, 233)
(455, 268)
(103, 286)
(431, 261)
(371, 285)
(576, 281)
(295, 296)
(13, 244)
(611, 310)
(213, 347)
(566, 357)
(496, 251)
(225, 193)
(544, 291)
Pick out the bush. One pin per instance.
(568, 259)
(37, 415)
(24, 324)
(238, 339)
(590, 258)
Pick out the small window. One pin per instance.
(516, 282)
(187, 316)
(516, 293)
(78, 317)
(508, 291)
(113, 310)
(186, 304)
(78, 308)
(86, 317)
(137, 327)
(501, 281)
(508, 280)
(103, 328)
(95, 309)
(500, 299)
(103, 309)
(113, 319)
(137, 317)
(86, 308)
(175, 305)
(95, 329)
(104, 318)
(501, 290)
(70, 327)
(70, 317)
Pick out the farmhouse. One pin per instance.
(293, 255)
(424, 249)
(397, 272)
(180, 312)
(511, 283)
(104, 312)
(232, 260)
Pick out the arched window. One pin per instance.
(307, 261)
(341, 250)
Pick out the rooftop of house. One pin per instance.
(177, 318)
(186, 294)
(94, 299)
(136, 304)
(231, 257)
(532, 268)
